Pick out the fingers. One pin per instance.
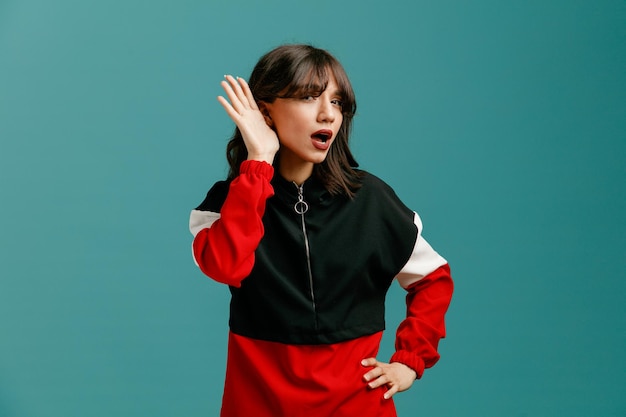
(395, 376)
(238, 93)
(232, 113)
(248, 93)
(390, 392)
(375, 377)
(233, 105)
(369, 362)
(260, 140)
(374, 373)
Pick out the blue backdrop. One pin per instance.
(502, 123)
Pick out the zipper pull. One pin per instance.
(301, 206)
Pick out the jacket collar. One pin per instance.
(313, 190)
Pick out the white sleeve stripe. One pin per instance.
(422, 262)
(193, 255)
(199, 220)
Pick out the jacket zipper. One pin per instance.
(302, 207)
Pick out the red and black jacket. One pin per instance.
(306, 267)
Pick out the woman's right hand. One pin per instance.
(260, 140)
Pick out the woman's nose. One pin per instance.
(325, 111)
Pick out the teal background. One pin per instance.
(502, 123)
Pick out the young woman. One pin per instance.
(309, 246)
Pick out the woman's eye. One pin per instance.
(337, 102)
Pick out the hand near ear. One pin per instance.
(260, 140)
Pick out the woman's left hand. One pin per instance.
(397, 376)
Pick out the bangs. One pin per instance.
(312, 78)
(307, 81)
(298, 71)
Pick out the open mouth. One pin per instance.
(323, 135)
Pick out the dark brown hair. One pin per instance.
(296, 71)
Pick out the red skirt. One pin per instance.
(269, 379)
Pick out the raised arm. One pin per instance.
(260, 140)
(226, 236)
(225, 241)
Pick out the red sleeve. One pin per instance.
(225, 251)
(418, 335)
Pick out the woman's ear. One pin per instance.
(265, 111)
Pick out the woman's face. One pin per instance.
(306, 127)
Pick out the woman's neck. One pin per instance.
(295, 173)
